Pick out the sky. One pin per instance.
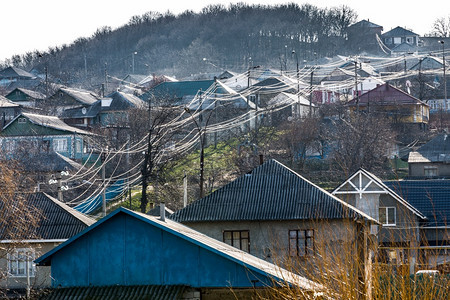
(29, 25)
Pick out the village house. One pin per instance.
(397, 234)
(25, 97)
(113, 255)
(56, 222)
(32, 133)
(431, 160)
(393, 103)
(279, 216)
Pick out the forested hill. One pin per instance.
(229, 37)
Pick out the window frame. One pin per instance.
(241, 239)
(430, 171)
(57, 145)
(386, 221)
(14, 259)
(305, 247)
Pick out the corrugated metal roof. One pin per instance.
(6, 103)
(50, 122)
(123, 101)
(134, 292)
(270, 192)
(13, 72)
(177, 89)
(82, 96)
(32, 94)
(436, 150)
(431, 197)
(56, 220)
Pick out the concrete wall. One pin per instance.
(417, 169)
(269, 240)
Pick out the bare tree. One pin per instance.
(441, 27)
(362, 140)
(17, 219)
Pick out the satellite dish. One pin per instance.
(83, 110)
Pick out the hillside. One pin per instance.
(229, 37)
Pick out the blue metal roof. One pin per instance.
(270, 192)
(177, 89)
(431, 197)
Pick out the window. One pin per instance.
(79, 146)
(387, 216)
(60, 145)
(301, 242)
(430, 171)
(17, 262)
(237, 238)
(397, 40)
(409, 40)
(9, 146)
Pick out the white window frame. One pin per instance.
(387, 215)
(60, 145)
(17, 261)
(397, 40)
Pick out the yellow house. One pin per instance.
(396, 104)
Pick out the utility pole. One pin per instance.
(185, 182)
(60, 194)
(103, 157)
(106, 80)
(46, 82)
(445, 80)
(311, 94)
(356, 85)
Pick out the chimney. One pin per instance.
(162, 211)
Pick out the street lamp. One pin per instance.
(445, 81)
(132, 61)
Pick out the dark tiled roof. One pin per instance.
(431, 197)
(366, 24)
(270, 192)
(135, 292)
(56, 220)
(397, 32)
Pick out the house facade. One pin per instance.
(31, 132)
(56, 222)
(432, 160)
(398, 234)
(394, 38)
(8, 111)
